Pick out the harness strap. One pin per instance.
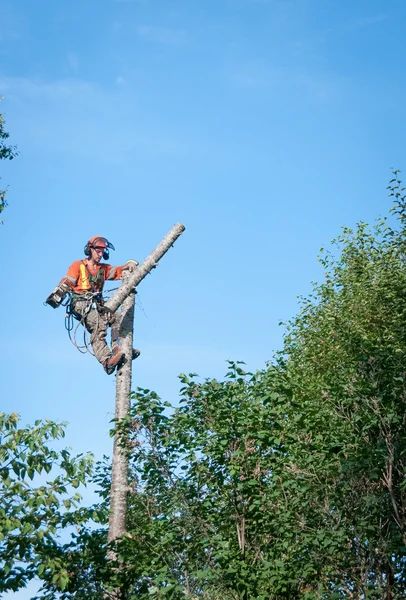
(89, 282)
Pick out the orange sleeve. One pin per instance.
(72, 275)
(112, 273)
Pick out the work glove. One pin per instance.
(130, 265)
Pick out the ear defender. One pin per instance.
(98, 242)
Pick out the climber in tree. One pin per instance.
(85, 280)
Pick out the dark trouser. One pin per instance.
(96, 322)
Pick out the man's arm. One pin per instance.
(65, 286)
(116, 273)
(72, 276)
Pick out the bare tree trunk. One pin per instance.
(125, 297)
(119, 473)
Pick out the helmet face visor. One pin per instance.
(102, 243)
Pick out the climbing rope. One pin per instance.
(94, 301)
(71, 317)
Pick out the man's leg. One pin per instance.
(108, 358)
(96, 324)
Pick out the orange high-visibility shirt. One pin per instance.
(77, 276)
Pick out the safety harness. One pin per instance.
(93, 299)
(92, 286)
(89, 282)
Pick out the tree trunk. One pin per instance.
(125, 297)
(119, 473)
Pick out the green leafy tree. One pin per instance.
(91, 576)
(218, 509)
(202, 523)
(37, 502)
(7, 152)
(344, 359)
(291, 482)
(287, 483)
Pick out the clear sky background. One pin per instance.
(261, 125)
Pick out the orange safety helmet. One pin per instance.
(97, 241)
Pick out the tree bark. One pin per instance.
(125, 297)
(119, 473)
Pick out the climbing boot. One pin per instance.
(135, 354)
(113, 360)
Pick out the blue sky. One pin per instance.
(261, 125)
